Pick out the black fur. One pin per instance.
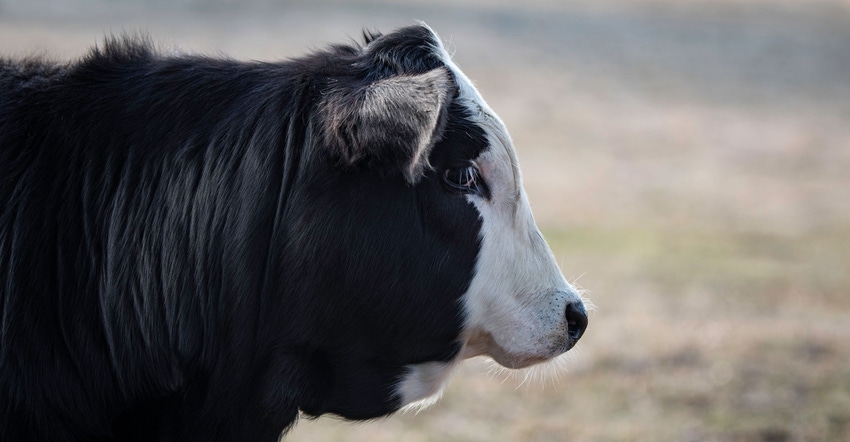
(186, 255)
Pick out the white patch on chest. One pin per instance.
(423, 385)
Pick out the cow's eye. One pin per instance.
(463, 179)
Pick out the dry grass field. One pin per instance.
(688, 161)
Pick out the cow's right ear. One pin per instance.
(391, 122)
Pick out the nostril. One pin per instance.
(576, 320)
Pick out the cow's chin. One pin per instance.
(483, 344)
(514, 361)
(423, 383)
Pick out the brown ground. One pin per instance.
(687, 160)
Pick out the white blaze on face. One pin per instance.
(516, 302)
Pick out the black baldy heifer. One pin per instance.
(195, 248)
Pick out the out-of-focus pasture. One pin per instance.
(688, 161)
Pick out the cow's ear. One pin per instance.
(391, 122)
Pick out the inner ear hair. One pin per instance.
(391, 122)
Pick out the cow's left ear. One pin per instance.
(391, 122)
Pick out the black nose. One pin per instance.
(576, 321)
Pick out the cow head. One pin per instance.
(413, 246)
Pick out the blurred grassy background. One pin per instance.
(687, 160)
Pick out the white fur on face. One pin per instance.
(517, 300)
(516, 303)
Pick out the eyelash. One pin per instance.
(464, 179)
